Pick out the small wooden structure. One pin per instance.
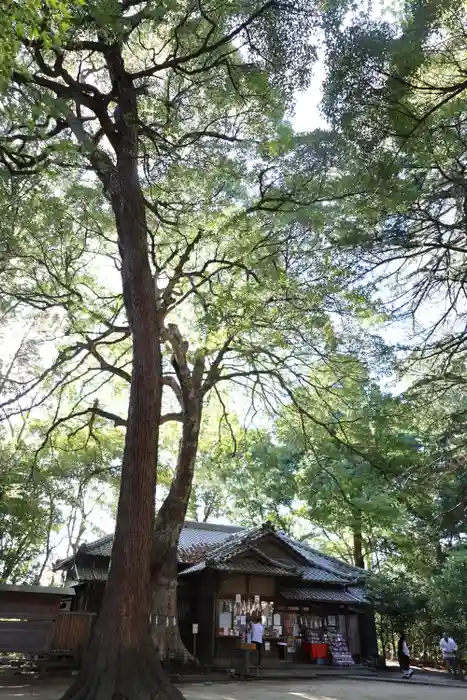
(32, 622)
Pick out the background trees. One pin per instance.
(395, 92)
(48, 499)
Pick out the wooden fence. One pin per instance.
(72, 631)
(62, 633)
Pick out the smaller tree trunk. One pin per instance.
(164, 619)
(382, 636)
(359, 559)
(169, 523)
(439, 554)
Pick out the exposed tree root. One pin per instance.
(135, 674)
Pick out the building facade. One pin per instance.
(313, 607)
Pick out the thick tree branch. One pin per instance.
(168, 417)
(172, 383)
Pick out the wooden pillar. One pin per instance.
(215, 607)
(205, 613)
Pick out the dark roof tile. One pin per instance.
(195, 540)
(313, 573)
(247, 566)
(91, 573)
(328, 594)
(324, 561)
(99, 548)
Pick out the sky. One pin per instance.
(307, 115)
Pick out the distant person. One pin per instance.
(448, 649)
(257, 633)
(404, 657)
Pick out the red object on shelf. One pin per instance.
(319, 651)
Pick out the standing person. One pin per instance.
(257, 632)
(448, 649)
(404, 657)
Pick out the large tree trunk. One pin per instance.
(121, 661)
(169, 522)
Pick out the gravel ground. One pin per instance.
(330, 689)
(322, 690)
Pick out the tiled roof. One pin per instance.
(311, 565)
(91, 573)
(323, 561)
(237, 543)
(315, 566)
(198, 538)
(209, 545)
(195, 539)
(200, 566)
(247, 566)
(313, 573)
(99, 548)
(306, 573)
(359, 594)
(328, 594)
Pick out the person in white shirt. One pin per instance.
(257, 633)
(404, 657)
(448, 649)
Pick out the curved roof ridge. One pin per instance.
(245, 535)
(102, 540)
(217, 527)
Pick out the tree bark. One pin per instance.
(121, 661)
(169, 523)
(439, 554)
(164, 619)
(359, 559)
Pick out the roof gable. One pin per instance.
(265, 543)
(263, 546)
(323, 561)
(272, 545)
